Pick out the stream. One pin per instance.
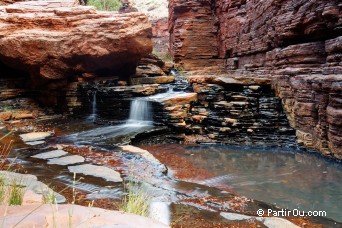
(272, 176)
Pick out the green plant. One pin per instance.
(105, 5)
(136, 200)
(16, 194)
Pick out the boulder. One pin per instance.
(54, 40)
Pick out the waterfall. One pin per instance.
(140, 113)
(93, 115)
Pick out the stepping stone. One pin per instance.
(35, 136)
(51, 154)
(96, 171)
(68, 160)
(33, 143)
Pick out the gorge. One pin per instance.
(221, 109)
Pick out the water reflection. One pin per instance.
(287, 179)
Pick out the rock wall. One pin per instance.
(157, 12)
(295, 43)
(314, 106)
(273, 35)
(235, 111)
(193, 35)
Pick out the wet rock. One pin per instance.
(67, 160)
(96, 171)
(48, 215)
(146, 89)
(35, 136)
(50, 154)
(34, 143)
(139, 151)
(153, 80)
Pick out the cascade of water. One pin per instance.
(93, 115)
(140, 113)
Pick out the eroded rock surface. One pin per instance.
(314, 106)
(54, 40)
(50, 216)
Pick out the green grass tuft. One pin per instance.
(105, 5)
(16, 194)
(136, 200)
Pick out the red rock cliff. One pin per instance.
(297, 43)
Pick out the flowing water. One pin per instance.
(93, 115)
(140, 119)
(288, 179)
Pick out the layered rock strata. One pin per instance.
(52, 40)
(193, 35)
(314, 106)
(296, 44)
(235, 111)
(257, 36)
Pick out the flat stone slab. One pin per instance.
(50, 154)
(49, 216)
(96, 171)
(31, 183)
(270, 222)
(68, 160)
(35, 136)
(34, 143)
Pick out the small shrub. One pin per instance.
(105, 5)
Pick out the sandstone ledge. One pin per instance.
(52, 40)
